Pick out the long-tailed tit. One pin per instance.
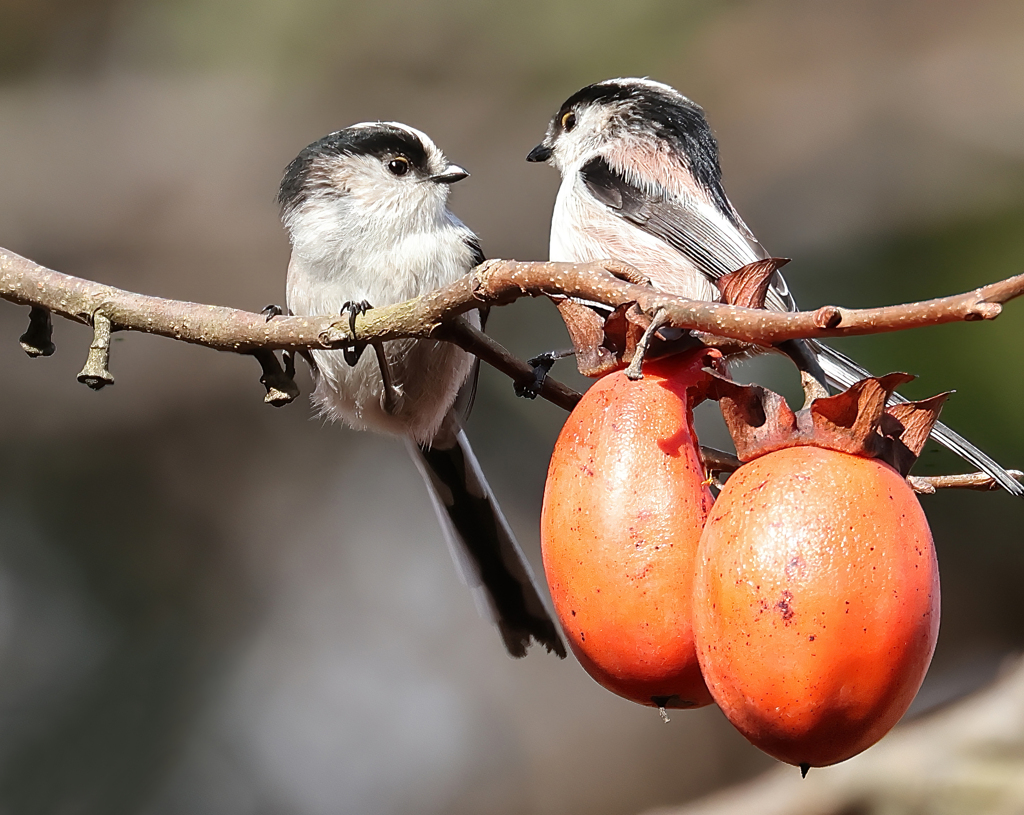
(641, 183)
(365, 209)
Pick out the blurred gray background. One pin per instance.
(211, 606)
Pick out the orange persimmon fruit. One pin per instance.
(624, 504)
(816, 602)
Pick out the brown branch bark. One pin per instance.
(522, 375)
(495, 282)
(928, 484)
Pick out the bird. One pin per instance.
(365, 209)
(642, 183)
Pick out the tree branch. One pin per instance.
(435, 315)
(928, 484)
(495, 282)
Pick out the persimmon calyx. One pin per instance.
(856, 421)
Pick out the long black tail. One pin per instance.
(842, 372)
(483, 546)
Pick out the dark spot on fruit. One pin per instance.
(811, 638)
(574, 612)
(583, 637)
(784, 606)
(796, 567)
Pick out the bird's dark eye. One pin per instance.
(568, 121)
(398, 165)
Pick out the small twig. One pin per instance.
(36, 341)
(635, 369)
(928, 484)
(95, 373)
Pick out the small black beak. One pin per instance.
(539, 153)
(451, 174)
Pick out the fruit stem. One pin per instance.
(635, 369)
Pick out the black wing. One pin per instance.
(473, 242)
(714, 247)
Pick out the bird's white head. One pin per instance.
(644, 128)
(369, 171)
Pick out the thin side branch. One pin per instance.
(95, 373)
(928, 484)
(494, 354)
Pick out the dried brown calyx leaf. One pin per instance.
(586, 332)
(748, 285)
(603, 344)
(855, 421)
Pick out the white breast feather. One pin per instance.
(330, 253)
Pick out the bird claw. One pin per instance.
(354, 308)
(272, 311)
(541, 365)
(391, 399)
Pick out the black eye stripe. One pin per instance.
(382, 141)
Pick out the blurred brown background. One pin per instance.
(211, 606)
